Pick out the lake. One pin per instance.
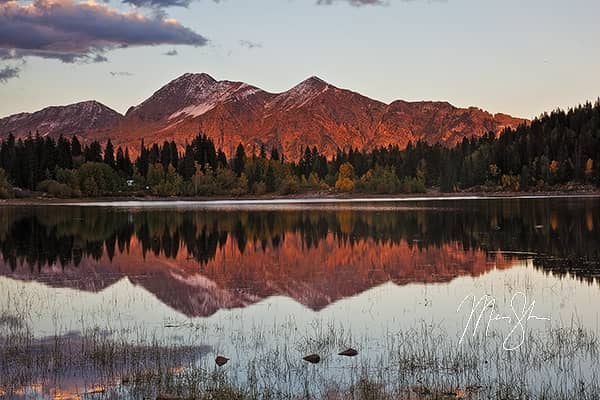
(457, 297)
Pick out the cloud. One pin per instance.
(9, 72)
(121, 73)
(250, 45)
(98, 58)
(171, 52)
(355, 3)
(359, 3)
(158, 3)
(81, 32)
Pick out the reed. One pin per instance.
(424, 362)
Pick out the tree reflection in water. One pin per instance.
(330, 252)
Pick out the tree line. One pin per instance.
(38, 237)
(557, 148)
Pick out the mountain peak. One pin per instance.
(81, 118)
(191, 95)
(190, 83)
(302, 94)
(196, 77)
(91, 106)
(85, 103)
(182, 91)
(313, 81)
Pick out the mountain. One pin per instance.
(315, 277)
(191, 102)
(86, 119)
(436, 122)
(312, 113)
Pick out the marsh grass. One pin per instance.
(176, 358)
(418, 363)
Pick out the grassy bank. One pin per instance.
(42, 198)
(420, 363)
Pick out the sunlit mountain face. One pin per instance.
(312, 113)
(198, 261)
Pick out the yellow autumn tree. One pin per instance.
(494, 170)
(589, 168)
(345, 181)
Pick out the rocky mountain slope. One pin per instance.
(86, 119)
(320, 277)
(313, 113)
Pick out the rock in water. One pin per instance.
(312, 358)
(350, 352)
(220, 360)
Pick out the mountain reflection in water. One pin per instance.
(200, 261)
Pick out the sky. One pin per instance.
(512, 56)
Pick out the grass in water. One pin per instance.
(419, 363)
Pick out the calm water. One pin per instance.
(254, 280)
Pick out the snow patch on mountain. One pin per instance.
(301, 94)
(67, 120)
(193, 111)
(209, 97)
(206, 297)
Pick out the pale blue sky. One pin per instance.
(519, 57)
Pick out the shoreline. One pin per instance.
(310, 197)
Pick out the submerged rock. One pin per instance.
(220, 360)
(312, 358)
(350, 352)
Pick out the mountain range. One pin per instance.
(313, 113)
(315, 278)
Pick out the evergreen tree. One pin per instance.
(270, 179)
(263, 152)
(239, 161)
(165, 155)
(174, 154)
(274, 154)
(142, 163)
(8, 156)
(128, 165)
(93, 152)
(64, 157)
(120, 161)
(221, 159)
(109, 154)
(187, 167)
(76, 147)
(154, 154)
